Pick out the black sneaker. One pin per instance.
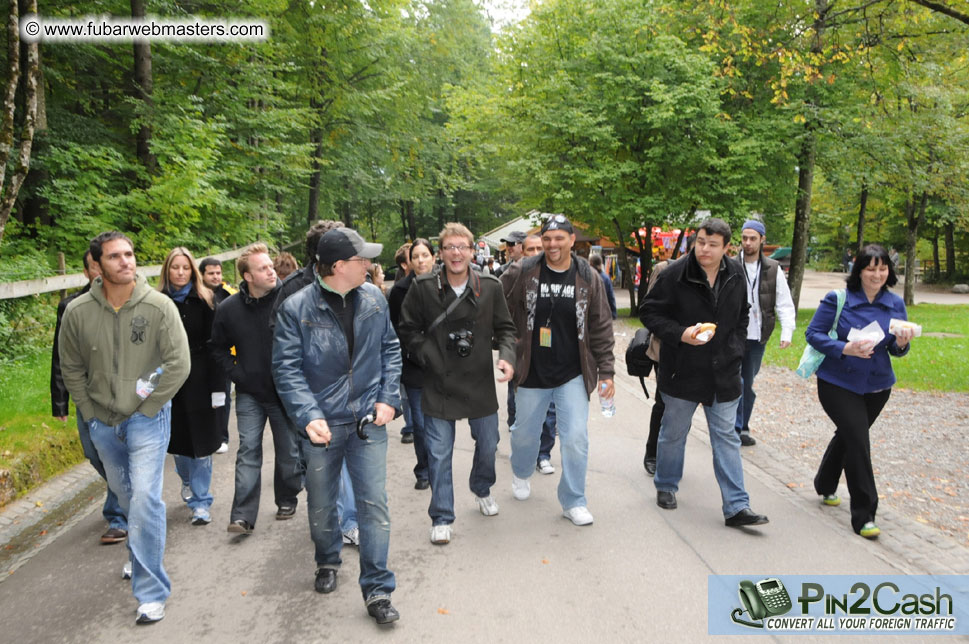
(285, 512)
(747, 440)
(407, 438)
(239, 526)
(650, 465)
(383, 611)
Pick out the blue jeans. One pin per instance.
(346, 507)
(251, 416)
(440, 448)
(572, 417)
(133, 453)
(753, 356)
(111, 511)
(197, 474)
(413, 402)
(366, 462)
(724, 442)
(547, 441)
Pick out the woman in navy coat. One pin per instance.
(855, 380)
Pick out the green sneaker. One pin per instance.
(831, 499)
(870, 530)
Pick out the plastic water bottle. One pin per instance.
(147, 383)
(608, 404)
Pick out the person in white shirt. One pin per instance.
(770, 300)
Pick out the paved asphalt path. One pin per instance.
(638, 574)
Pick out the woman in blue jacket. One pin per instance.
(855, 380)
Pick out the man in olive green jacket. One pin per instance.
(112, 339)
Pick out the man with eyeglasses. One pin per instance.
(336, 362)
(449, 321)
(564, 353)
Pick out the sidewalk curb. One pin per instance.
(35, 520)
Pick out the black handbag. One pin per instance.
(637, 362)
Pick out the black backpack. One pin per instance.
(637, 363)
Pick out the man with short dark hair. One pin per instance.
(770, 300)
(60, 400)
(701, 365)
(564, 353)
(336, 362)
(307, 274)
(124, 355)
(595, 261)
(211, 270)
(449, 322)
(242, 321)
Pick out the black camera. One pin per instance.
(461, 341)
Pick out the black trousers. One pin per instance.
(850, 448)
(655, 419)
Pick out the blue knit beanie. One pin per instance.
(753, 224)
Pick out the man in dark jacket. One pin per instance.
(564, 352)
(449, 321)
(60, 400)
(700, 366)
(336, 361)
(242, 321)
(211, 271)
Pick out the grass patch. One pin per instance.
(933, 364)
(34, 446)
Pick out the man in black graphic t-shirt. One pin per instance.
(564, 351)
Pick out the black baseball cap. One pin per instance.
(557, 222)
(514, 237)
(344, 243)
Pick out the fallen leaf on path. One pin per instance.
(39, 504)
(545, 561)
(921, 520)
(443, 611)
(792, 485)
(43, 532)
(244, 592)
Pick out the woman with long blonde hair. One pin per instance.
(195, 434)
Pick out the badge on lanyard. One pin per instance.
(545, 336)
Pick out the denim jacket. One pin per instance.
(315, 377)
(859, 375)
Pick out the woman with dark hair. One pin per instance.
(420, 262)
(855, 379)
(195, 434)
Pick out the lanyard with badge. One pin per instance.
(754, 299)
(545, 332)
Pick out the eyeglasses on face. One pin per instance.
(452, 248)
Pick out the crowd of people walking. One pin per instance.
(329, 357)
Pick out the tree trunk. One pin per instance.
(35, 207)
(861, 216)
(950, 250)
(312, 210)
(935, 256)
(143, 91)
(805, 171)
(9, 191)
(645, 266)
(346, 215)
(411, 223)
(624, 262)
(914, 217)
(403, 220)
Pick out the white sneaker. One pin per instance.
(201, 516)
(126, 570)
(487, 505)
(440, 534)
(579, 515)
(352, 537)
(223, 448)
(186, 492)
(545, 467)
(521, 488)
(150, 612)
